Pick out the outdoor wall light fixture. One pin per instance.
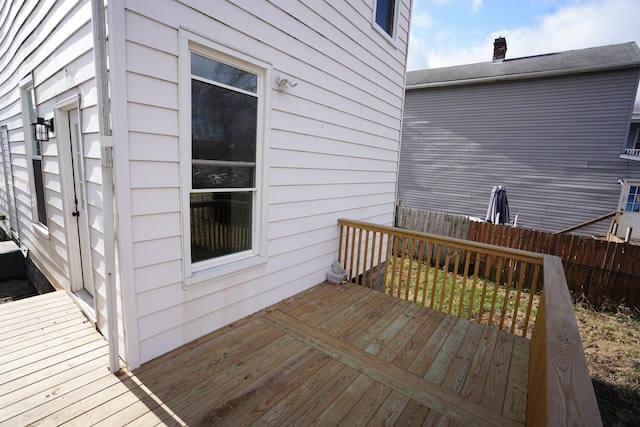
(284, 82)
(41, 129)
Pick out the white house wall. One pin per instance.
(52, 42)
(333, 151)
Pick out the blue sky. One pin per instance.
(454, 32)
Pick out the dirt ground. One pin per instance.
(612, 349)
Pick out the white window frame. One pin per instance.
(394, 26)
(26, 85)
(218, 268)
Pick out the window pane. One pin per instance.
(31, 106)
(384, 15)
(220, 224)
(222, 176)
(223, 123)
(223, 73)
(39, 184)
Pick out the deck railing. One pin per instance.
(488, 284)
(496, 286)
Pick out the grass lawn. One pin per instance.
(460, 295)
(612, 347)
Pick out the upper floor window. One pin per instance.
(385, 15)
(633, 199)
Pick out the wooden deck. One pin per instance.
(328, 356)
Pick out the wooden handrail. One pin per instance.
(532, 257)
(560, 392)
(586, 223)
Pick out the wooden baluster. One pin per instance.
(454, 279)
(463, 291)
(357, 276)
(371, 262)
(409, 270)
(419, 272)
(403, 254)
(436, 269)
(426, 273)
(496, 286)
(382, 260)
(523, 268)
(485, 279)
(341, 242)
(353, 238)
(447, 260)
(532, 294)
(474, 284)
(507, 290)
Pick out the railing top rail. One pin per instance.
(532, 257)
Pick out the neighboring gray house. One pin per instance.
(552, 129)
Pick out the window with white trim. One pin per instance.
(385, 12)
(222, 146)
(34, 151)
(633, 199)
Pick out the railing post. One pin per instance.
(560, 389)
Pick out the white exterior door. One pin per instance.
(80, 204)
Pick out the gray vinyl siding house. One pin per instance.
(552, 129)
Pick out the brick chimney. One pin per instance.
(499, 49)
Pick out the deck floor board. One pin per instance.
(331, 355)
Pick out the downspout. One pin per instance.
(106, 148)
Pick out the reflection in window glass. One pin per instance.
(633, 199)
(385, 10)
(220, 224)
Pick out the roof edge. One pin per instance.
(525, 76)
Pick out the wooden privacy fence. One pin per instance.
(488, 284)
(604, 273)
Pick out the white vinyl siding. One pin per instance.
(332, 150)
(51, 41)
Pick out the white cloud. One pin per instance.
(592, 23)
(476, 4)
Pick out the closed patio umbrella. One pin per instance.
(498, 210)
